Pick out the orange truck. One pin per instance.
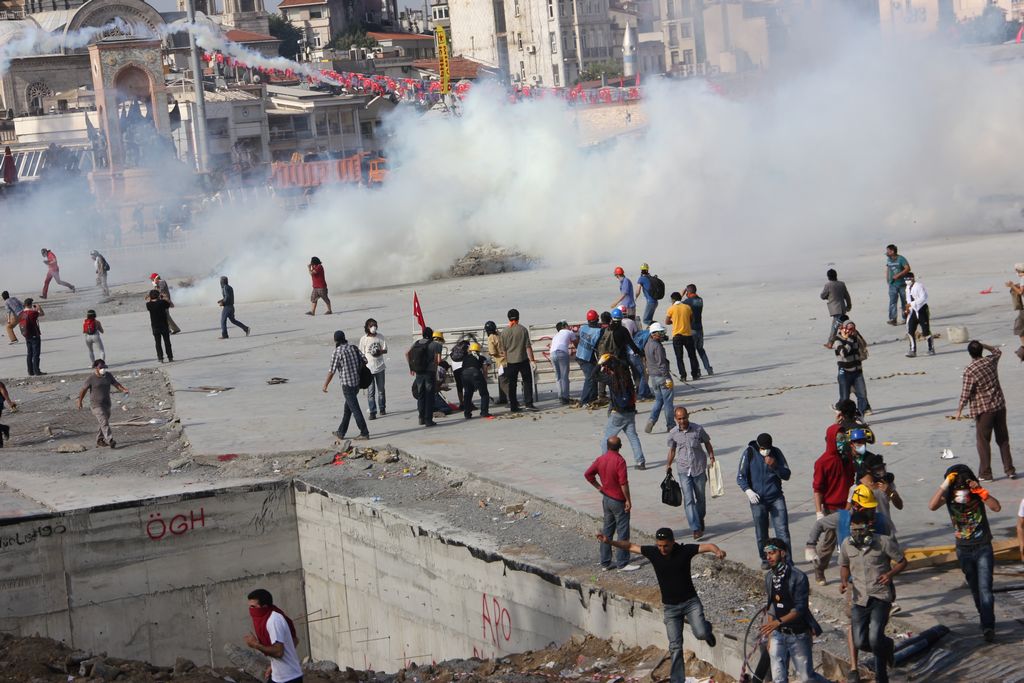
(309, 174)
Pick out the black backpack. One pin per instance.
(420, 356)
(106, 266)
(657, 288)
(458, 353)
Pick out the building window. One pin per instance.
(670, 9)
(316, 41)
(675, 57)
(316, 14)
(686, 30)
(687, 8)
(554, 76)
(516, 7)
(687, 56)
(522, 70)
(551, 9)
(566, 46)
(554, 42)
(673, 36)
(519, 41)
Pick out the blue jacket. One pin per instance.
(753, 474)
(588, 343)
(799, 591)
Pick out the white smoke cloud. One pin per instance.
(31, 41)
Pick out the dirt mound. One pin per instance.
(487, 259)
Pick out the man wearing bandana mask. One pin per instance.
(273, 634)
(871, 561)
(98, 385)
(966, 501)
(790, 626)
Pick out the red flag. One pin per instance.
(417, 312)
(1020, 33)
(621, 84)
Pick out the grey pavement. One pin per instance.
(764, 335)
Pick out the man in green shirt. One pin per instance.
(518, 361)
(896, 269)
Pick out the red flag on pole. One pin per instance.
(1020, 33)
(637, 79)
(417, 312)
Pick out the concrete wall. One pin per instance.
(390, 592)
(154, 579)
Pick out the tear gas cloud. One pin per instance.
(869, 140)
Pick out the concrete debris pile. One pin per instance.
(41, 660)
(487, 259)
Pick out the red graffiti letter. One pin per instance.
(201, 519)
(486, 618)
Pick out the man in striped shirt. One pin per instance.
(346, 362)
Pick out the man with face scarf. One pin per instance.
(966, 501)
(98, 385)
(273, 634)
(871, 561)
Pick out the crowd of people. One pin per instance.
(623, 361)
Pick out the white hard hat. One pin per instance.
(656, 327)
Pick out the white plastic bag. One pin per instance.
(715, 479)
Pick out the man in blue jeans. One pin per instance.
(643, 284)
(671, 562)
(659, 378)
(621, 405)
(966, 501)
(346, 362)
(696, 303)
(586, 356)
(761, 471)
(227, 311)
(609, 475)
(689, 440)
(896, 269)
(790, 626)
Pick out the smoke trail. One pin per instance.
(35, 41)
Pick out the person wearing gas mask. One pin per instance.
(98, 386)
(474, 379)
(834, 527)
(871, 560)
(834, 473)
(965, 502)
(374, 347)
(762, 469)
(882, 485)
(790, 626)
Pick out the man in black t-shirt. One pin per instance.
(158, 308)
(671, 562)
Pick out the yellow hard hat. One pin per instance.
(644, 267)
(438, 334)
(863, 497)
(605, 357)
(474, 346)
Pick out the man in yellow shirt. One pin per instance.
(680, 317)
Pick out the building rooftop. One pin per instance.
(239, 36)
(459, 67)
(396, 36)
(301, 3)
(232, 95)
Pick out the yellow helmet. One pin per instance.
(438, 334)
(644, 267)
(474, 346)
(605, 357)
(863, 497)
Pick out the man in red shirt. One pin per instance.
(608, 474)
(52, 272)
(834, 474)
(316, 272)
(28, 320)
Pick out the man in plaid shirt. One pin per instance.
(346, 361)
(981, 391)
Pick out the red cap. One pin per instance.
(153, 276)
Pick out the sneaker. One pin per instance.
(985, 477)
(819, 577)
(698, 534)
(383, 412)
(100, 441)
(362, 437)
(642, 466)
(895, 608)
(1011, 475)
(989, 634)
(912, 354)
(338, 436)
(711, 640)
(329, 313)
(112, 444)
(13, 342)
(629, 568)
(931, 352)
(247, 331)
(373, 416)
(606, 567)
(649, 427)
(891, 321)
(223, 336)
(310, 313)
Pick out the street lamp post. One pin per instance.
(199, 113)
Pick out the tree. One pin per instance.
(989, 27)
(353, 37)
(287, 33)
(593, 72)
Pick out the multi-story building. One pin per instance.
(322, 20)
(535, 42)
(681, 25)
(648, 44)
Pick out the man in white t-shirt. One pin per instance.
(374, 347)
(274, 635)
(561, 349)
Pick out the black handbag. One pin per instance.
(671, 494)
(365, 376)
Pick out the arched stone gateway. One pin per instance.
(143, 18)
